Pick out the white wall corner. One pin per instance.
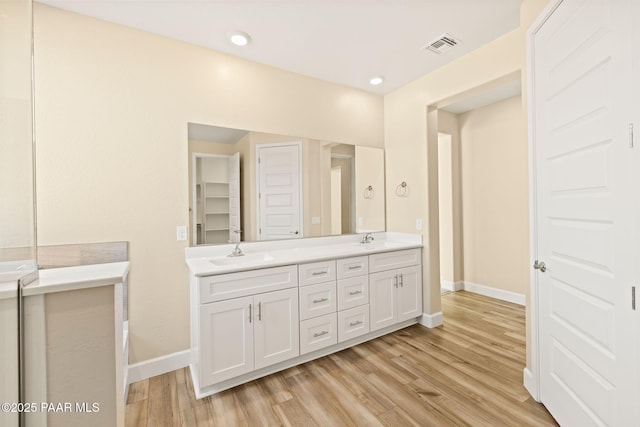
(446, 285)
(431, 320)
(530, 384)
(158, 366)
(496, 293)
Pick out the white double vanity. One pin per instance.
(283, 303)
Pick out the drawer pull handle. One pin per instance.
(319, 273)
(355, 267)
(355, 292)
(319, 334)
(316, 301)
(356, 323)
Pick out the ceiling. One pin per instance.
(217, 134)
(342, 41)
(495, 94)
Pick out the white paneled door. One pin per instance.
(584, 189)
(279, 185)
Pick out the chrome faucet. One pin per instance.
(236, 251)
(366, 238)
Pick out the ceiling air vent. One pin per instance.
(442, 44)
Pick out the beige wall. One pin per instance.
(448, 124)
(495, 196)
(411, 135)
(369, 171)
(112, 107)
(345, 192)
(445, 204)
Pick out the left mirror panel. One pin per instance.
(17, 231)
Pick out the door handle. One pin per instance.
(294, 232)
(260, 311)
(539, 265)
(250, 314)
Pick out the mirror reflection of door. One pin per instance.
(279, 186)
(336, 200)
(343, 218)
(217, 188)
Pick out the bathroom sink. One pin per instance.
(242, 260)
(376, 246)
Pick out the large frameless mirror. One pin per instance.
(17, 228)
(248, 186)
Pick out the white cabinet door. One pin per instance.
(409, 302)
(276, 327)
(395, 296)
(226, 340)
(382, 299)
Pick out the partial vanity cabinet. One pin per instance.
(395, 285)
(248, 321)
(258, 321)
(318, 304)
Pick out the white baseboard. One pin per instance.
(431, 320)
(530, 384)
(158, 366)
(500, 294)
(446, 285)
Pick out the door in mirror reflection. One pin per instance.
(217, 196)
(279, 199)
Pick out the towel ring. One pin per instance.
(402, 190)
(368, 192)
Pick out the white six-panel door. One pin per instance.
(583, 215)
(279, 184)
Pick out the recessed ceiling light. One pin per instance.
(239, 38)
(376, 81)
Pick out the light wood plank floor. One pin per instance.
(467, 372)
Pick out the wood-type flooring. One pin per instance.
(467, 372)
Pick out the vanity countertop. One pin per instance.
(80, 277)
(212, 260)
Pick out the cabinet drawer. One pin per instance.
(234, 285)
(393, 260)
(317, 272)
(316, 300)
(353, 323)
(352, 267)
(318, 333)
(353, 292)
